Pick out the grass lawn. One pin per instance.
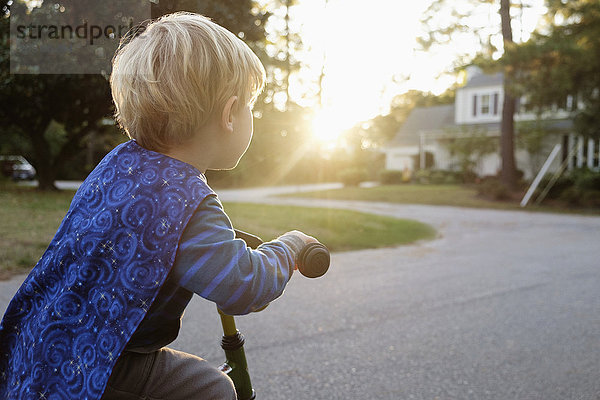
(31, 218)
(29, 221)
(439, 195)
(447, 195)
(339, 230)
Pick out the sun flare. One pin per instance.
(327, 127)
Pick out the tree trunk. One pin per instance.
(507, 146)
(507, 127)
(46, 179)
(46, 172)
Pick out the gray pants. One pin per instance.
(167, 374)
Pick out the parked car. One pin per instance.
(17, 168)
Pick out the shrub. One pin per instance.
(571, 196)
(580, 187)
(583, 192)
(451, 179)
(466, 177)
(494, 189)
(391, 177)
(562, 183)
(353, 176)
(591, 198)
(422, 176)
(438, 176)
(586, 180)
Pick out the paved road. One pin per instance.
(502, 305)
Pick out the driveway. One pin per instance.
(502, 305)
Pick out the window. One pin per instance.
(485, 104)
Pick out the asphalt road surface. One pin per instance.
(502, 305)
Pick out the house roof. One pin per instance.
(423, 119)
(441, 118)
(479, 80)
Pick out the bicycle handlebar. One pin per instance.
(251, 240)
(313, 260)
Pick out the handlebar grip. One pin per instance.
(313, 260)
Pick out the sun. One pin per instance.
(327, 127)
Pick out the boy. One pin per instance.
(144, 232)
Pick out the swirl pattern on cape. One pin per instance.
(72, 317)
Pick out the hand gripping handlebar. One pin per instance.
(313, 260)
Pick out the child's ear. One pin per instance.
(227, 118)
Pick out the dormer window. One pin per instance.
(485, 104)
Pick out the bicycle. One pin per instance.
(313, 262)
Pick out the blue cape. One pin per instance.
(72, 317)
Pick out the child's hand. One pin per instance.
(305, 238)
(297, 240)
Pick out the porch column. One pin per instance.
(570, 147)
(580, 152)
(598, 166)
(590, 154)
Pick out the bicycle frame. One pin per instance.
(235, 358)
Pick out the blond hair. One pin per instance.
(169, 81)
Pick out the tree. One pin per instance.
(507, 126)
(486, 45)
(563, 60)
(238, 16)
(29, 104)
(281, 44)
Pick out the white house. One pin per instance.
(419, 142)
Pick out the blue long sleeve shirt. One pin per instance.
(212, 263)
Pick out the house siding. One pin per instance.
(401, 158)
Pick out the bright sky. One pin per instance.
(369, 51)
